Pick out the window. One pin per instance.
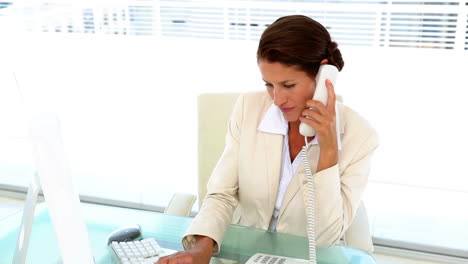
(118, 72)
(466, 38)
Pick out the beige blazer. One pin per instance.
(246, 179)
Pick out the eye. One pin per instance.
(289, 85)
(268, 85)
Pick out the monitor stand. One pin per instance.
(27, 221)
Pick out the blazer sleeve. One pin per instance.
(222, 188)
(339, 195)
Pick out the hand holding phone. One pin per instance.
(325, 72)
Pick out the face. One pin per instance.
(288, 87)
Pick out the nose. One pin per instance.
(279, 97)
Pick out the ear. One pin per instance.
(324, 61)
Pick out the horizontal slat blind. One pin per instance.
(359, 28)
(199, 22)
(419, 24)
(4, 5)
(249, 23)
(425, 30)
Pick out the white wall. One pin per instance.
(128, 106)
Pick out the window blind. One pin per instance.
(432, 24)
(192, 21)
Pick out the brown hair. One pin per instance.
(299, 41)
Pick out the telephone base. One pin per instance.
(260, 258)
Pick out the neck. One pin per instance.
(294, 131)
(294, 126)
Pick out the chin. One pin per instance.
(291, 118)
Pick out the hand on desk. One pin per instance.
(199, 254)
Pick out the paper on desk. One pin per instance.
(62, 200)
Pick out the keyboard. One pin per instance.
(146, 251)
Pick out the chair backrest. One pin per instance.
(180, 204)
(214, 111)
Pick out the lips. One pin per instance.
(286, 109)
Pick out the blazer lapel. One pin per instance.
(299, 177)
(273, 144)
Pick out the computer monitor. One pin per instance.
(62, 200)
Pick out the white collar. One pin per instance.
(273, 122)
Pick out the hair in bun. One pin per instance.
(299, 41)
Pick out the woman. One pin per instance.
(259, 179)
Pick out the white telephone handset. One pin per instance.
(326, 71)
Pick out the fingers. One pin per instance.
(164, 260)
(181, 257)
(319, 116)
(171, 259)
(318, 106)
(310, 122)
(320, 123)
(331, 101)
(316, 114)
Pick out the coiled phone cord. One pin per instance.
(310, 204)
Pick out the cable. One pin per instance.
(310, 204)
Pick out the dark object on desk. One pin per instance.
(124, 234)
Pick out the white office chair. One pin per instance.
(212, 127)
(180, 204)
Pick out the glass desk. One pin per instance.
(238, 245)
